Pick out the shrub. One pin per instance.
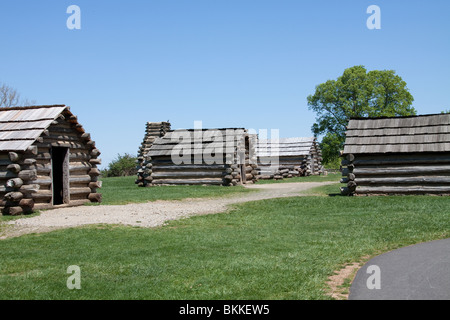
(123, 165)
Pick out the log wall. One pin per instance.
(391, 174)
(292, 166)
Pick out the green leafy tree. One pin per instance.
(123, 165)
(330, 143)
(356, 94)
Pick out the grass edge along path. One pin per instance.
(123, 190)
(271, 249)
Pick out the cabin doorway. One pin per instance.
(244, 161)
(60, 175)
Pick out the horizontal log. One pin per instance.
(95, 197)
(95, 153)
(79, 168)
(14, 156)
(62, 127)
(15, 168)
(418, 180)
(350, 157)
(80, 179)
(63, 144)
(79, 156)
(32, 150)
(29, 162)
(43, 170)
(351, 185)
(190, 174)
(403, 190)
(56, 136)
(185, 168)
(86, 136)
(29, 203)
(95, 185)
(73, 156)
(410, 158)
(79, 190)
(95, 161)
(30, 188)
(14, 196)
(94, 172)
(213, 167)
(401, 170)
(188, 181)
(14, 183)
(42, 194)
(27, 175)
(13, 211)
(72, 203)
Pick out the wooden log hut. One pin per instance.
(46, 160)
(200, 157)
(401, 155)
(289, 157)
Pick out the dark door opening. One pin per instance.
(243, 177)
(243, 161)
(60, 175)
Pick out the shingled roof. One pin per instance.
(21, 126)
(427, 133)
(284, 147)
(211, 139)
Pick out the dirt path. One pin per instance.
(149, 214)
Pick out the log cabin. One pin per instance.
(397, 156)
(289, 157)
(200, 157)
(47, 160)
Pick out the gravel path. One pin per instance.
(149, 214)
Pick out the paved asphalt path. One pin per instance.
(418, 272)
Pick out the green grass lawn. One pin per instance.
(271, 249)
(123, 190)
(329, 177)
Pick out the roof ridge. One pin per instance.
(399, 117)
(34, 107)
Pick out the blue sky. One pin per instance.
(246, 63)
